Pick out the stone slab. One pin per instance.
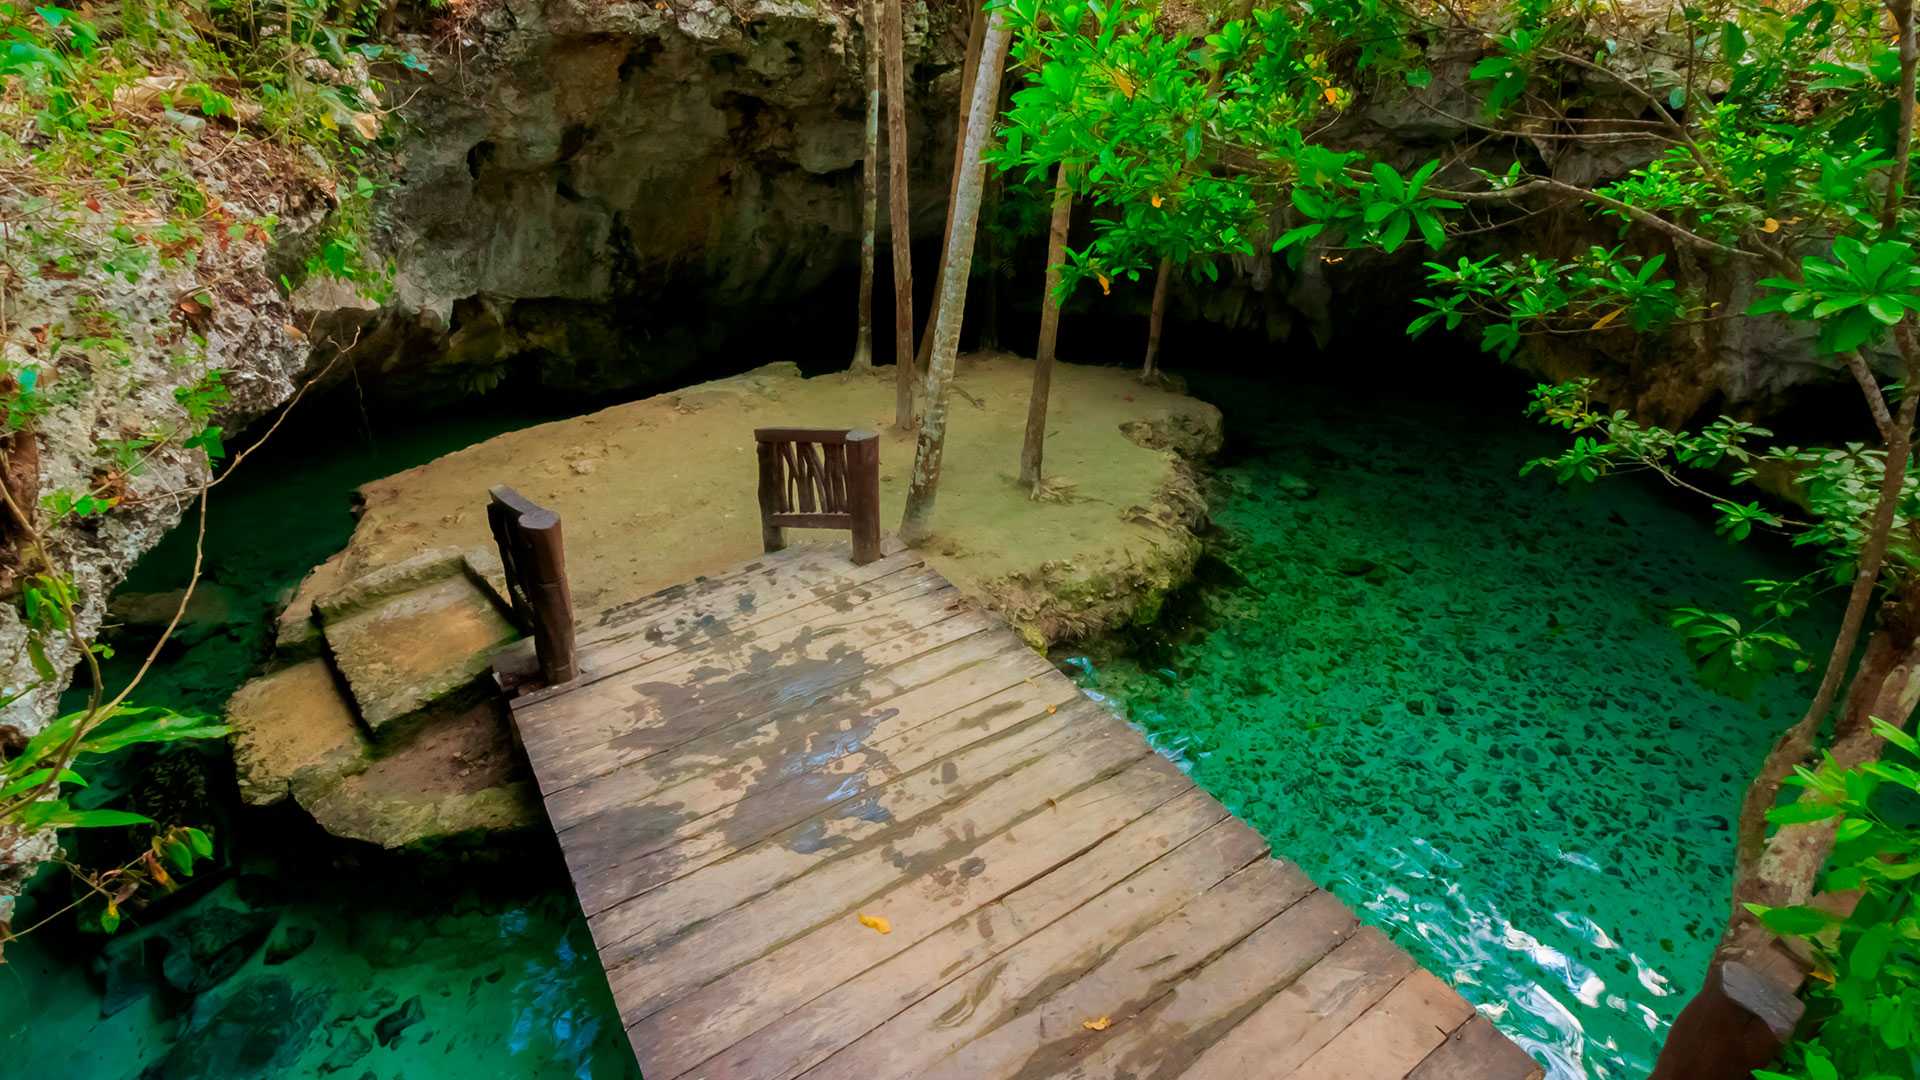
(426, 647)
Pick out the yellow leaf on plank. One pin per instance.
(1098, 1024)
(1606, 320)
(876, 922)
(1770, 226)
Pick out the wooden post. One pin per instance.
(772, 536)
(863, 494)
(534, 557)
(1738, 1023)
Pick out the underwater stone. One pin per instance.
(207, 947)
(257, 1028)
(347, 1051)
(290, 942)
(395, 1023)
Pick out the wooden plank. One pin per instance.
(1074, 970)
(799, 1040)
(832, 682)
(724, 747)
(637, 719)
(870, 613)
(1157, 1033)
(834, 519)
(828, 741)
(720, 1014)
(1394, 1036)
(644, 980)
(744, 814)
(766, 586)
(689, 883)
(1309, 1013)
(1477, 1051)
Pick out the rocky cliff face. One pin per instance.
(597, 193)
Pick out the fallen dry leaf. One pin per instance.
(876, 922)
(1098, 1024)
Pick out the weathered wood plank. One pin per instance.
(1060, 978)
(643, 981)
(766, 586)
(763, 756)
(725, 747)
(1477, 1051)
(1195, 844)
(720, 1014)
(690, 882)
(743, 814)
(823, 743)
(1306, 1015)
(872, 613)
(1394, 1036)
(1160, 1040)
(651, 717)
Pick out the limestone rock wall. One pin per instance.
(597, 191)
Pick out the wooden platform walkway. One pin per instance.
(831, 821)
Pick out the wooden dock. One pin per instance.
(831, 821)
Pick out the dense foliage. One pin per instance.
(1865, 1001)
(1747, 161)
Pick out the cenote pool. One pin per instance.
(1451, 696)
(1448, 694)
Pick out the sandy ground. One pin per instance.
(655, 492)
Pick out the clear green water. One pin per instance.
(496, 953)
(1555, 844)
(1489, 743)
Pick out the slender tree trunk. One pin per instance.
(1032, 450)
(898, 157)
(1156, 319)
(916, 523)
(969, 73)
(990, 251)
(869, 190)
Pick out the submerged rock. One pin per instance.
(255, 1028)
(207, 946)
(395, 1023)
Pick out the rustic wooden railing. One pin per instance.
(536, 566)
(820, 478)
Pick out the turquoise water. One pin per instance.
(304, 957)
(1450, 695)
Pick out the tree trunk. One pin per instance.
(869, 190)
(969, 72)
(1033, 449)
(989, 323)
(898, 156)
(916, 523)
(1156, 319)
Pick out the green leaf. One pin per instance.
(202, 846)
(1799, 921)
(1870, 951)
(1803, 811)
(1298, 235)
(1390, 183)
(1396, 231)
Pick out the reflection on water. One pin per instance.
(1450, 695)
